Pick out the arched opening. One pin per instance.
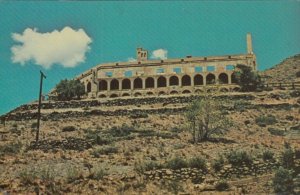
(223, 78)
(161, 93)
(234, 78)
(125, 94)
(126, 84)
(236, 89)
(114, 84)
(102, 85)
(137, 94)
(174, 80)
(210, 90)
(113, 95)
(161, 82)
(210, 79)
(138, 83)
(186, 80)
(186, 91)
(150, 93)
(198, 91)
(89, 87)
(198, 79)
(224, 90)
(149, 82)
(102, 96)
(174, 92)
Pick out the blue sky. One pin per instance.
(115, 30)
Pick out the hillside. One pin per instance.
(142, 146)
(284, 71)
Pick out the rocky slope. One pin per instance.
(142, 146)
(285, 71)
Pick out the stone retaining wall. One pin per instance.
(125, 102)
(228, 172)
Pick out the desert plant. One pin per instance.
(205, 118)
(283, 181)
(264, 120)
(28, 176)
(197, 162)
(47, 174)
(239, 157)
(176, 163)
(174, 186)
(104, 151)
(97, 138)
(11, 148)
(98, 173)
(218, 163)
(73, 174)
(275, 131)
(141, 167)
(287, 158)
(124, 130)
(268, 155)
(68, 128)
(222, 185)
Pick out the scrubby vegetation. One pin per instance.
(239, 157)
(265, 120)
(205, 118)
(283, 181)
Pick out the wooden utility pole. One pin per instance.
(39, 107)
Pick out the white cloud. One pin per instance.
(66, 47)
(160, 54)
(131, 59)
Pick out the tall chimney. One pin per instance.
(249, 44)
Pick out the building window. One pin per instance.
(128, 73)
(160, 70)
(177, 70)
(230, 67)
(198, 69)
(210, 68)
(108, 74)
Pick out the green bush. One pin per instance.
(283, 181)
(197, 162)
(69, 89)
(176, 163)
(237, 158)
(98, 173)
(73, 174)
(68, 128)
(146, 133)
(97, 138)
(104, 151)
(28, 176)
(218, 163)
(122, 131)
(265, 120)
(11, 148)
(222, 185)
(287, 158)
(34, 125)
(275, 131)
(268, 155)
(141, 167)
